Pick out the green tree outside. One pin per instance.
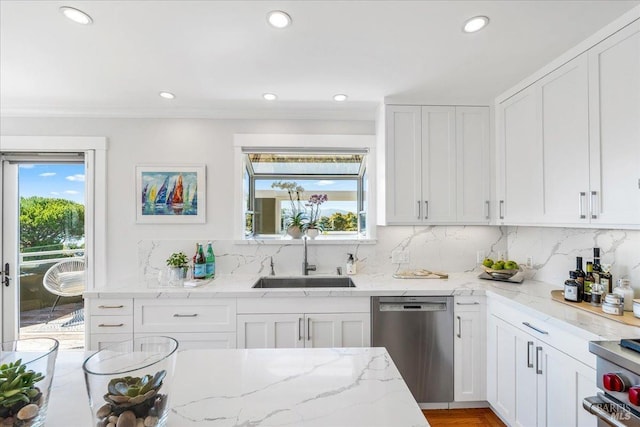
(48, 221)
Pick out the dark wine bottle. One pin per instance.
(580, 275)
(200, 270)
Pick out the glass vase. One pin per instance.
(26, 373)
(129, 383)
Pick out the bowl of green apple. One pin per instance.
(500, 269)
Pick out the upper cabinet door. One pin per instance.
(438, 164)
(404, 154)
(614, 112)
(522, 158)
(473, 165)
(565, 143)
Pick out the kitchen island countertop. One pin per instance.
(276, 387)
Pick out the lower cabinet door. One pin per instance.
(270, 330)
(469, 357)
(562, 384)
(527, 362)
(501, 368)
(338, 330)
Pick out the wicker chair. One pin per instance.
(65, 279)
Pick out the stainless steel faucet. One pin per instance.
(306, 267)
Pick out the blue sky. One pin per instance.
(62, 181)
(318, 187)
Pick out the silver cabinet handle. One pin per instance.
(468, 303)
(529, 347)
(426, 209)
(108, 325)
(593, 207)
(300, 327)
(111, 306)
(581, 197)
(538, 362)
(185, 315)
(501, 209)
(488, 206)
(529, 325)
(419, 213)
(608, 411)
(308, 329)
(459, 327)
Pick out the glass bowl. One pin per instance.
(26, 373)
(129, 383)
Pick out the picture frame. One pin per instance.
(170, 194)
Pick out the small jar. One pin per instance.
(615, 309)
(636, 307)
(613, 299)
(626, 292)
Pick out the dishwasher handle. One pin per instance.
(413, 306)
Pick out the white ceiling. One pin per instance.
(219, 57)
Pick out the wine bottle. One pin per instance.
(200, 270)
(580, 278)
(211, 262)
(597, 268)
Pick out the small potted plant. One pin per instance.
(178, 263)
(313, 226)
(294, 219)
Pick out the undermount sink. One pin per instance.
(304, 282)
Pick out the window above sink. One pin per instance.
(329, 182)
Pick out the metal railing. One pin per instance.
(56, 256)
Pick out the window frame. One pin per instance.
(300, 143)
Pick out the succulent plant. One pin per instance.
(17, 387)
(134, 393)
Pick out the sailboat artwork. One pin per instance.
(169, 193)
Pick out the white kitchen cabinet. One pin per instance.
(195, 323)
(614, 117)
(304, 330)
(303, 322)
(108, 321)
(520, 192)
(437, 165)
(567, 145)
(469, 349)
(531, 382)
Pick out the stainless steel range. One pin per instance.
(618, 374)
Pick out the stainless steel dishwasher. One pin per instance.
(418, 334)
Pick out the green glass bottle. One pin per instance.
(211, 262)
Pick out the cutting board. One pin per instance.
(627, 318)
(420, 274)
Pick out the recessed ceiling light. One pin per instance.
(76, 15)
(270, 96)
(475, 24)
(340, 97)
(167, 95)
(278, 19)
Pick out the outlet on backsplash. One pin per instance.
(530, 261)
(480, 256)
(400, 256)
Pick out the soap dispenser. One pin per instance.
(351, 265)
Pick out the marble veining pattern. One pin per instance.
(264, 387)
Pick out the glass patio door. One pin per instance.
(42, 206)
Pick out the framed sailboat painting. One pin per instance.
(170, 194)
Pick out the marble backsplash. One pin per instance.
(554, 251)
(441, 248)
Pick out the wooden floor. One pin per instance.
(462, 417)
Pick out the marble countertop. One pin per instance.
(531, 296)
(276, 387)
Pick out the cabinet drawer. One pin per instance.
(100, 341)
(111, 324)
(469, 303)
(175, 315)
(111, 306)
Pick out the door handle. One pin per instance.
(5, 273)
(300, 327)
(501, 213)
(529, 346)
(419, 212)
(582, 195)
(185, 315)
(488, 206)
(308, 329)
(426, 209)
(529, 325)
(538, 362)
(459, 327)
(592, 205)
(468, 303)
